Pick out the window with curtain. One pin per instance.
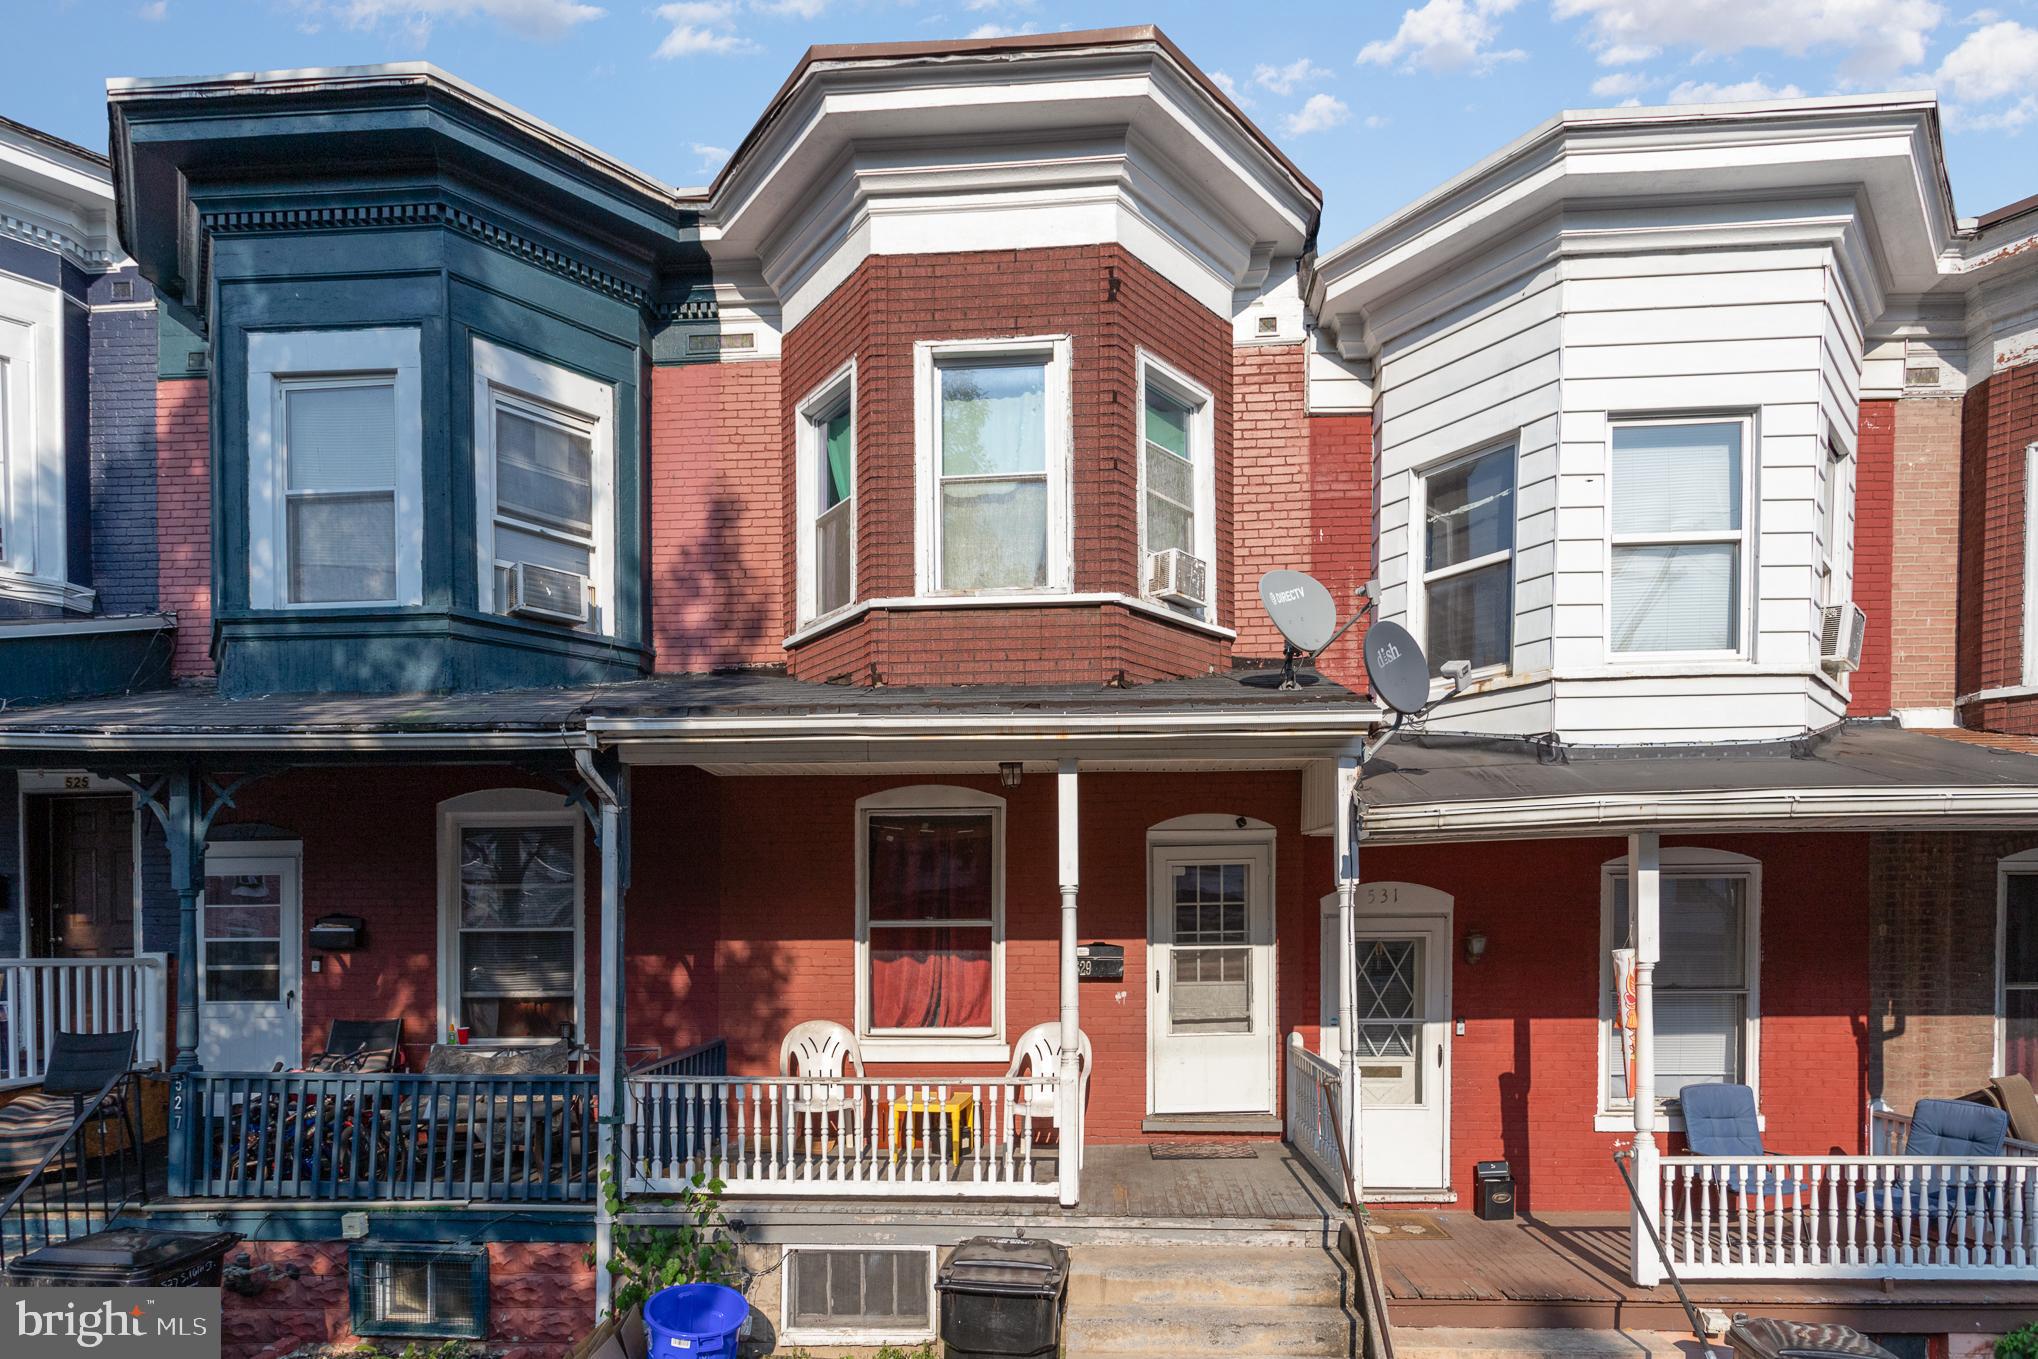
(832, 444)
(1677, 536)
(339, 489)
(519, 929)
(1468, 561)
(1171, 471)
(2018, 1004)
(992, 459)
(1702, 981)
(931, 929)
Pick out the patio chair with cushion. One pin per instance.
(1037, 1055)
(80, 1066)
(1944, 1127)
(1720, 1120)
(369, 1046)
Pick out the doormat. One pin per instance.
(1204, 1151)
(1406, 1226)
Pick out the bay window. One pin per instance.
(826, 550)
(1468, 561)
(930, 863)
(993, 438)
(512, 915)
(1678, 512)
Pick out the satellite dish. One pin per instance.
(1396, 668)
(1301, 608)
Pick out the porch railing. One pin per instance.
(1889, 1134)
(1836, 1217)
(41, 997)
(311, 1135)
(852, 1137)
(1309, 1117)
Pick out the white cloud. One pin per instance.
(1000, 31)
(1741, 92)
(1875, 38)
(544, 19)
(1619, 85)
(1319, 113)
(1286, 79)
(712, 158)
(702, 28)
(1445, 35)
(1231, 89)
(795, 9)
(155, 11)
(1376, 120)
(1996, 62)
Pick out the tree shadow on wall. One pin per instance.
(707, 616)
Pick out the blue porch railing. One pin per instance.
(316, 1135)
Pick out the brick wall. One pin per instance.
(1933, 962)
(1064, 644)
(541, 1301)
(1341, 526)
(717, 581)
(1874, 544)
(122, 432)
(184, 518)
(1925, 557)
(1271, 481)
(1999, 419)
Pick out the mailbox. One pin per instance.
(1100, 962)
(338, 933)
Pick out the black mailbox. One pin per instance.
(1100, 962)
(338, 933)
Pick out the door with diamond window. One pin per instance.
(1211, 956)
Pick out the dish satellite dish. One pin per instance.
(1396, 668)
(1307, 617)
(1301, 608)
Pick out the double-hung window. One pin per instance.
(931, 910)
(993, 436)
(1468, 561)
(1678, 536)
(827, 497)
(544, 474)
(335, 477)
(1704, 980)
(1832, 517)
(2017, 998)
(1177, 478)
(513, 915)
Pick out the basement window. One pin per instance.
(428, 1291)
(852, 1295)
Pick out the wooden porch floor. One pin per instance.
(1571, 1270)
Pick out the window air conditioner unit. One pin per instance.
(547, 592)
(1842, 630)
(1177, 576)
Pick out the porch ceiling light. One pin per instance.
(1475, 946)
(1010, 772)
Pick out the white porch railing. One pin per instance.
(853, 1137)
(40, 997)
(1837, 1217)
(1308, 1119)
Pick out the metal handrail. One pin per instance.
(134, 1190)
(1621, 1159)
(1369, 1264)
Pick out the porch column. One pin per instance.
(1069, 1092)
(607, 780)
(181, 814)
(1345, 842)
(1645, 909)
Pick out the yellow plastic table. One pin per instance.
(958, 1109)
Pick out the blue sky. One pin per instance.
(1377, 101)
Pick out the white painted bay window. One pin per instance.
(335, 479)
(1177, 470)
(993, 439)
(544, 452)
(512, 915)
(826, 553)
(34, 500)
(1468, 561)
(1678, 510)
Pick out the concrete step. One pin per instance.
(1467, 1342)
(1202, 1302)
(1210, 1332)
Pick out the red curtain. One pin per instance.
(927, 871)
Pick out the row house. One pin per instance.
(653, 644)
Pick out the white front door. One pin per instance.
(248, 959)
(1210, 942)
(1404, 1031)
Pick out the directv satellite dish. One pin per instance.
(1301, 608)
(1396, 668)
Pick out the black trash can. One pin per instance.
(1003, 1296)
(1493, 1191)
(1768, 1338)
(128, 1257)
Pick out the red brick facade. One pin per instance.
(1271, 482)
(1341, 526)
(184, 518)
(1874, 545)
(1998, 423)
(1925, 556)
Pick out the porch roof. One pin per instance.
(1855, 775)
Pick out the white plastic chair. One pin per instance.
(1040, 1097)
(819, 1048)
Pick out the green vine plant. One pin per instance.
(695, 1247)
(444, 1349)
(2021, 1343)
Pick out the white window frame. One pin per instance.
(1835, 506)
(2013, 865)
(1613, 1115)
(1056, 352)
(34, 520)
(276, 360)
(505, 807)
(546, 391)
(1173, 382)
(1418, 549)
(1745, 539)
(2031, 564)
(932, 1045)
(818, 1335)
(810, 436)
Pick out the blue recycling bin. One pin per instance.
(698, 1319)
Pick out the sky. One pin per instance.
(1377, 102)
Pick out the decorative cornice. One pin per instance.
(65, 244)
